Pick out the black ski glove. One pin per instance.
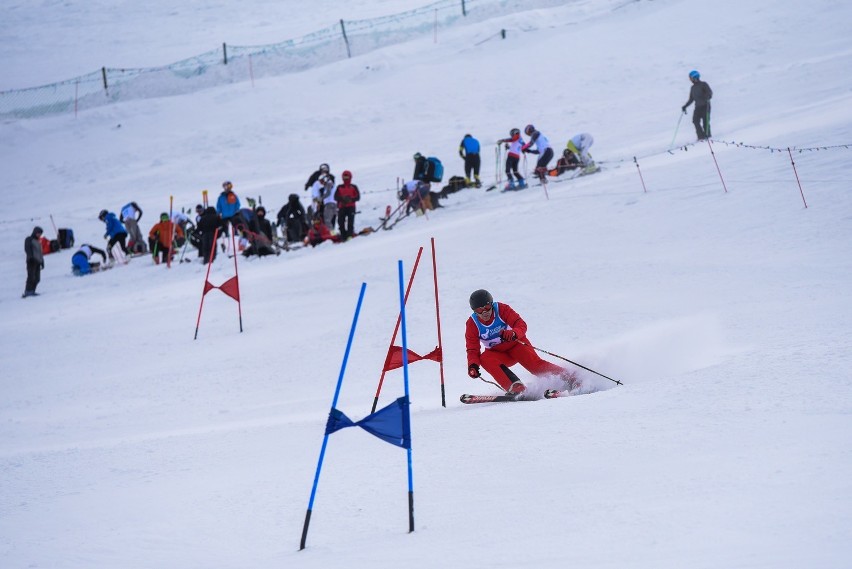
(473, 371)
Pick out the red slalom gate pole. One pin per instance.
(396, 329)
(790, 152)
(438, 317)
(717, 164)
(206, 280)
(641, 179)
(237, 276)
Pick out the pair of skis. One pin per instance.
(506, 398)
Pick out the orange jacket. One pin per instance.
(162, 233)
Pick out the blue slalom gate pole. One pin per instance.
(334, 406)
(407, 400)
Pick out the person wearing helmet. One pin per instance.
(292, 219)
(81, 261)
(115, 231)
(542, 148)
(469, 152)
(324, 169)
(227, 206)
(162, 237)
(496, 335)
(35, 261)
(513, 157)
(324, 206)
(346, 195)
(700, 93)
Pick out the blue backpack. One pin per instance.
(436, 169)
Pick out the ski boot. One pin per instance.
(522, 183)
(477, 182)
(517, 389)
(510, 186)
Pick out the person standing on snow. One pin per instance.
(469, 152)
(542, 148)
(347, 196)
(514, 144)
(322, 193)
(116, 232)
(227, 206)
(35, 261)
(323, 170)
(81, 260)
(499, 331)
(700, 93)
(292, 219)
(208, 223)
(130, 215)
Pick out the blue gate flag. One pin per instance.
(391, 424)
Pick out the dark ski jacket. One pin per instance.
(700, 93)
(32, 247)
(208, 221)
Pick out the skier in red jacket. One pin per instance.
(500, 331)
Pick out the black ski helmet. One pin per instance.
(514, 132)
(325, 168)
(480, 298)
(102, 215)
(529, 129)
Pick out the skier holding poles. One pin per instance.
(495, 335)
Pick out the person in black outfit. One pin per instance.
(35, 261)
(700, 93)
(292, 219)
(207, 224)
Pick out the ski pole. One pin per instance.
(680, 118)
(570, 362)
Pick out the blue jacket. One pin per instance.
(470, 145)
(227, 205)
(113, 225)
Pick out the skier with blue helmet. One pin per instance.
(700, 93)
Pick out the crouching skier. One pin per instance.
(81, 261)
(502, 334)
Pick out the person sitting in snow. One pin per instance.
(319, 233)
(81, 261)
(495, 334)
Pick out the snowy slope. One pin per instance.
(126, 443)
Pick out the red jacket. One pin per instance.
(318, 233)
(471, 333)
(346, 195)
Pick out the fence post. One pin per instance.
(345, 39)
(225, 52)
(103, 73)
(464, 11)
